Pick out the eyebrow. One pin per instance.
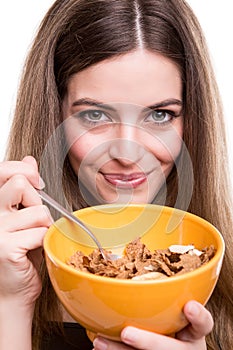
(91, 102)
(166, 103)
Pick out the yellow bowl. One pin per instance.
(106, 305)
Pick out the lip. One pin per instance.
(125, 181)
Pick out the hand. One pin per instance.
(21, 231)
(191, 337)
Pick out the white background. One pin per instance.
(20, 19)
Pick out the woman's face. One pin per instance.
(123, 124)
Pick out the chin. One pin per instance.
(127, 199)
(95, 196)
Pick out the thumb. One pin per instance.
(201, 322)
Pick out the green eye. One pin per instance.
(160, 116)
(95, 115)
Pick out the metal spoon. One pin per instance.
(49, 200)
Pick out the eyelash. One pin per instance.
(170, 113)
(84, 115)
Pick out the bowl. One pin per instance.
(106, 305)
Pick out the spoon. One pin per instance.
(49, 200)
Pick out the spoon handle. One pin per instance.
(49, 200)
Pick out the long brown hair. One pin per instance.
(76, 34)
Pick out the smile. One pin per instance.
(125, 181)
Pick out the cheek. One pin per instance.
(86, 150)
(78, 141)
(172, 149)
(77, 153)
(166, 147)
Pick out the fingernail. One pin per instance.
(41, 183)
(128, 335)
(100, 344)
(48, 214)
(193, 308)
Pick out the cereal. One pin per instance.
(150, 276)
(139, 263)
(180, 249)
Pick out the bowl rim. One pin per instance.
(217, 258)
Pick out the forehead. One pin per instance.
(138, 77)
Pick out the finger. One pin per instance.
(17, 190)
(30, 160)
(201, 322)
(100, 343)
(31, 217)
(19, 243)
(141, 339)
(11, 168)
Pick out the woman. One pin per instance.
(92, 64)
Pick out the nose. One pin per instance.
(127, 146)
